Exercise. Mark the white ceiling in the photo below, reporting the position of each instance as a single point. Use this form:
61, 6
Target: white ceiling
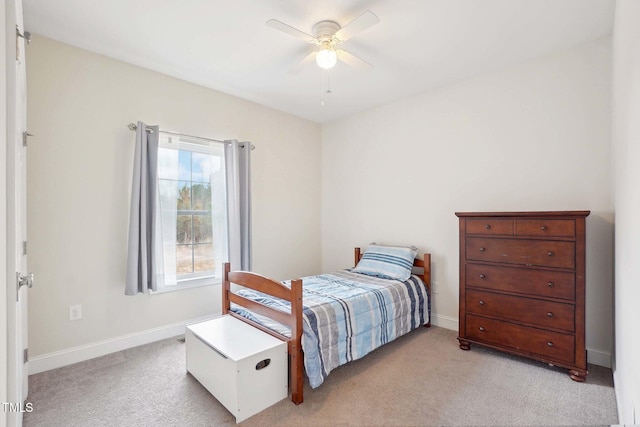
225, 45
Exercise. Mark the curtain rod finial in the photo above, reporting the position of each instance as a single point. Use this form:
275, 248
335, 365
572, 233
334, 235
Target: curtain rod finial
132, 126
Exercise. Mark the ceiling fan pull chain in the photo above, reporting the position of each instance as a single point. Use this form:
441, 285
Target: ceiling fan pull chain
327, 91
324, 77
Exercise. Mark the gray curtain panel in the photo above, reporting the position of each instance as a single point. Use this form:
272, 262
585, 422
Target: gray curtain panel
141, 265
238, 170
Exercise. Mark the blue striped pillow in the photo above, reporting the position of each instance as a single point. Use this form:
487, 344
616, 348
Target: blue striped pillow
389, 262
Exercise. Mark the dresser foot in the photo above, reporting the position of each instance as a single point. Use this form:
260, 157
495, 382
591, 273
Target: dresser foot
577, 375
464, 345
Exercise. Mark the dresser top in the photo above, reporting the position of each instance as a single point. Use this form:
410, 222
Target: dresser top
535, 214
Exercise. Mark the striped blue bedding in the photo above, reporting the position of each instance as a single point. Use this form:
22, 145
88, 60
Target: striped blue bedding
347, 315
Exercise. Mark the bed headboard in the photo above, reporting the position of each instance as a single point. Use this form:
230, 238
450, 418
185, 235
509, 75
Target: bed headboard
424, 264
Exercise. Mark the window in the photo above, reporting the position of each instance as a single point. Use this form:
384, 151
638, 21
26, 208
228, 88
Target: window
192, 219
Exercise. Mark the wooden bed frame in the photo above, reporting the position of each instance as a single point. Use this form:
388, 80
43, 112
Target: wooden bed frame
294, 319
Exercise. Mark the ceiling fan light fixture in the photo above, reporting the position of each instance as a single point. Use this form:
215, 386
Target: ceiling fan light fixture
327, 37
326, 58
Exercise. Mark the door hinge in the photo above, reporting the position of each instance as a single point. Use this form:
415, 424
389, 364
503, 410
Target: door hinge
25, 135
27, 38
24, 247
26, 355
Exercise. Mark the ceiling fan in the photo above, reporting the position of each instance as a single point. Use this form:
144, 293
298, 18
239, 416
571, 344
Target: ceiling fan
327, 36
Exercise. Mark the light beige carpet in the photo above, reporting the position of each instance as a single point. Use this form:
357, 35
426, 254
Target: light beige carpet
420, 379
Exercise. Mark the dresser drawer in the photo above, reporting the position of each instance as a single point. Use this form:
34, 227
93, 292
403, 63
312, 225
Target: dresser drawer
553, 284
552, 345
534, 312
490, 226
546, 227
520, 251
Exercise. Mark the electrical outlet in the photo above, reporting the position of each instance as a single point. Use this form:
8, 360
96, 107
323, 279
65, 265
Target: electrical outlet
75, 312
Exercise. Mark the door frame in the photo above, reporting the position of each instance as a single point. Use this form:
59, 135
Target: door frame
3, 214
16, 370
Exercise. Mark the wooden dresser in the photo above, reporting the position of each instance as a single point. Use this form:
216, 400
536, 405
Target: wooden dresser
522, 285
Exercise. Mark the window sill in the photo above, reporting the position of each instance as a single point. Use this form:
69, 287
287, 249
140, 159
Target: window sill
190, 284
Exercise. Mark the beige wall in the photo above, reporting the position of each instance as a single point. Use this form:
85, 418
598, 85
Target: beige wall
531, 137
626, 182
79, 185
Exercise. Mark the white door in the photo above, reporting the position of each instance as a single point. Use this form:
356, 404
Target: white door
16, 221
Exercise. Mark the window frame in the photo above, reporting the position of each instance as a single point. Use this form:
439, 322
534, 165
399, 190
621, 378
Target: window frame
215, 149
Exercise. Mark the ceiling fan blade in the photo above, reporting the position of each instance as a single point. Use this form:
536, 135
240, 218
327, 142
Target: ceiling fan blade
303, 63
288, 29
361, 23
353, 61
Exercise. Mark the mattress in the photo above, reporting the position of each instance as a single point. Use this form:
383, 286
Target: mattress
346, 315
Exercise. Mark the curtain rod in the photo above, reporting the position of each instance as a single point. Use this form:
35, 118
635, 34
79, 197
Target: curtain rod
133, 127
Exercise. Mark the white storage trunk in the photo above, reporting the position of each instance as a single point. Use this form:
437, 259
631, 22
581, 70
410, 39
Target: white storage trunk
242, 366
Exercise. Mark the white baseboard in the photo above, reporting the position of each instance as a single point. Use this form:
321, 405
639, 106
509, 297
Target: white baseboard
624, 387
58, 359
599, 357
618, 386
446, 322
596, 357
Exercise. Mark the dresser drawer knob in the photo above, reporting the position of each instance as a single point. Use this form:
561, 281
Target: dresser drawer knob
550, 284
481, 329
550, 344
543, 228
481, 302
550, 253
549, 314
482, 249
482, 276
487, 227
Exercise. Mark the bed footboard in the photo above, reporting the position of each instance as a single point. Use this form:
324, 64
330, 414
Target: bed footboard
293, 319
